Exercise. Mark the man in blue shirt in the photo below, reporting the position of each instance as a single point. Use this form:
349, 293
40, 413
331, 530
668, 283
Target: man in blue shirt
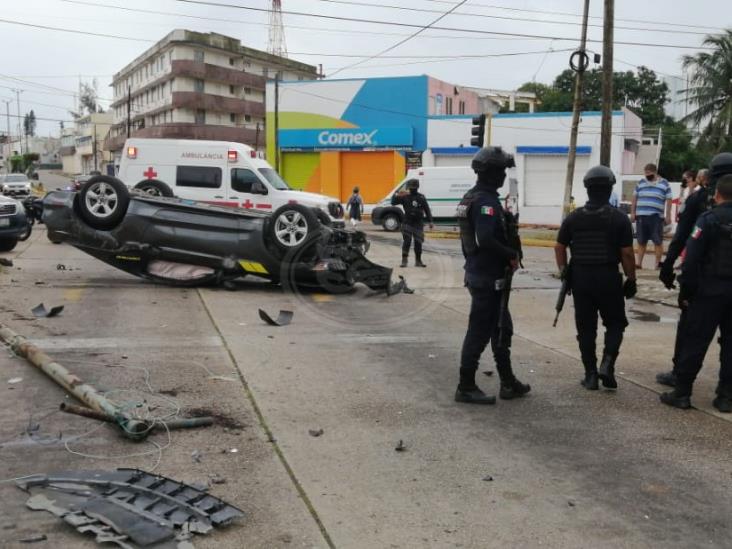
650, 210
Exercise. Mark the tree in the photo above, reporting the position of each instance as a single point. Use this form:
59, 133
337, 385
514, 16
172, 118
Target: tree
88, 100
678, 153
710, 91
29, 123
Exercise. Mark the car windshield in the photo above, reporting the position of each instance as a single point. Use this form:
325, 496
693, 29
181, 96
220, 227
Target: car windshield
15, 179
274, 179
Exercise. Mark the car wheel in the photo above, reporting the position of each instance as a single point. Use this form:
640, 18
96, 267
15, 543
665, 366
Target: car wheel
391, 222
103, 202
291, 227
153, 187
7, 244
25, 235
322, 217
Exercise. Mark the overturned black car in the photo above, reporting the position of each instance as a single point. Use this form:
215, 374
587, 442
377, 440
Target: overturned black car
189, 243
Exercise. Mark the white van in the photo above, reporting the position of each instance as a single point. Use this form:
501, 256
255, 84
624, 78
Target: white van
444, 188
217, 172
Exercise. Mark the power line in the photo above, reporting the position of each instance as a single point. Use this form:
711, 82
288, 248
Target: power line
413, 26
59, 29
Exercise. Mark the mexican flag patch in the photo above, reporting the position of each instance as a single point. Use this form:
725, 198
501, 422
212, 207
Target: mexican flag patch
486, 210
697, 233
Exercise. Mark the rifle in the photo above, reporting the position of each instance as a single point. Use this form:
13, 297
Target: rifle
566, 289
503, 308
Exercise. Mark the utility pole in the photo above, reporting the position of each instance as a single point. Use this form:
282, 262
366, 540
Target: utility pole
256, 138
581, 66
20, 134
129, 110
94, 144
277, 122
606, 129
7, 139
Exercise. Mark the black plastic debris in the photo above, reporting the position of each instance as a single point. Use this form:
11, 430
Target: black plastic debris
400, 447
35, 538
129, 507
40, 311
5, 262
315, 432
283, 319
60, 267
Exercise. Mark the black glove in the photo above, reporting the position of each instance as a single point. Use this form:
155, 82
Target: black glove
686, 294
667, 275
630, 288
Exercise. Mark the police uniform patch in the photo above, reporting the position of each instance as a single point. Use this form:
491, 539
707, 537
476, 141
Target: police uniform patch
486, 210
697, 233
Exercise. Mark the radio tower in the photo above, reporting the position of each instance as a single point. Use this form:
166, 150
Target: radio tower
277, 45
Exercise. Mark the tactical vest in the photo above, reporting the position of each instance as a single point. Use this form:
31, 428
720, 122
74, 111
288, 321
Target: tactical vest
719, 259
465, 221
592, 237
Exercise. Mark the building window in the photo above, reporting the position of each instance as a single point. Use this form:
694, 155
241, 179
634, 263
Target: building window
265, 72
198, 85
461, 107
301, 77
200, 116
198, 56
231, 61
241, 180
231, 89
232, 118
198, 176
448, 105
247, 91
247, 118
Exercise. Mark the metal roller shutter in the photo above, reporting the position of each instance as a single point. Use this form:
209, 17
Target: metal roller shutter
544, 177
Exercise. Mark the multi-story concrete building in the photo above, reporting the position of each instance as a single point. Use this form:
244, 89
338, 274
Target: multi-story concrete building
82, 146
193, 85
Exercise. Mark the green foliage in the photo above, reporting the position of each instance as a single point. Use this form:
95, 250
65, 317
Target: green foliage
29, 123
678, 153
17, 164
710, 91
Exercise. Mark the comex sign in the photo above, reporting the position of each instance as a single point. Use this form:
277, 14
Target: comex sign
346, 138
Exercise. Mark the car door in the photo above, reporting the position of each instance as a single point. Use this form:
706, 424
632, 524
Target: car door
242, 181
201, 183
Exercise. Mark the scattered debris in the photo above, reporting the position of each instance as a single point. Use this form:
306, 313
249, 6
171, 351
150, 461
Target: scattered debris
216, 479
35, 538
284, 318
403, 284
315, 432
129, 507
5, 262
432, 357
488, 373
400, 447
125, 357
169, 392
39, 311
571, 503
488, 478
196, 456
14, 380
60, 267
170, 425
233, 450
39, 282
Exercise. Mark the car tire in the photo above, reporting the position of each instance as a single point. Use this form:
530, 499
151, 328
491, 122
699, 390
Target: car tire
8, 244
292, 227
154, 187
391, 222
103, 202
25, 235
323, 217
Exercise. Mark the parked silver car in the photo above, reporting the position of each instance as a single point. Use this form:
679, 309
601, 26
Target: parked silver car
15, 184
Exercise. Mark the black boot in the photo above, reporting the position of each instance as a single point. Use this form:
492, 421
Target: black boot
607, 371
680, 397
666, 378
513, 389
472, 395
591, 380
723, 402
404, 261
418, 262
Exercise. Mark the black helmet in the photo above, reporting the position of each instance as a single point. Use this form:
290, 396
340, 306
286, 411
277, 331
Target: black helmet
492, 157
720, 165
599, 175
413, 184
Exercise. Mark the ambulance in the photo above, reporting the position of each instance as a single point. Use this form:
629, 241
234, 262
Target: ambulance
217, 172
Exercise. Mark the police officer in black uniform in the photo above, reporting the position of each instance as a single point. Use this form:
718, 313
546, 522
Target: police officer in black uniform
696, 204
416, 210
599, 237
706, 292
490, 245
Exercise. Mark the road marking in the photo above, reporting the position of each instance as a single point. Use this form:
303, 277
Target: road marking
323, 298
73, 295
74, 343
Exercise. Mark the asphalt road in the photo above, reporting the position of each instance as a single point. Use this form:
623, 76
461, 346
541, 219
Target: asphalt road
560, 468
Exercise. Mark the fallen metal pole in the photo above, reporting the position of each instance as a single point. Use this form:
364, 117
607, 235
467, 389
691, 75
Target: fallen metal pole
131, 428
173, 424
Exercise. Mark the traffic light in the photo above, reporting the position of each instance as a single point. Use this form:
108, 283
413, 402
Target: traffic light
478, 131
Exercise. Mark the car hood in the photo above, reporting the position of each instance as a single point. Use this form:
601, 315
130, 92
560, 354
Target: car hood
308, 199
8, 200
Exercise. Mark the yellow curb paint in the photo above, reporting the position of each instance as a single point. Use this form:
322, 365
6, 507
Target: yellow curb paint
322, 298
73, 295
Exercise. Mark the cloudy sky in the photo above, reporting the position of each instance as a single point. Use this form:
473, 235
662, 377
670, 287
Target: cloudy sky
47, 64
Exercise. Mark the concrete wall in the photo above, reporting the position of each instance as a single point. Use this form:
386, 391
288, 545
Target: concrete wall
440, 91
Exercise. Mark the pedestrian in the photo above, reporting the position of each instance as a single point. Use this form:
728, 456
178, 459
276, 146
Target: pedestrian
650, 210
688, 185
492, 251
694, 205
706, 293
614, 200
416, 211
599, 237
355, 207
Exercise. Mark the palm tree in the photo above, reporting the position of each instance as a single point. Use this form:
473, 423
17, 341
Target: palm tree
710, 91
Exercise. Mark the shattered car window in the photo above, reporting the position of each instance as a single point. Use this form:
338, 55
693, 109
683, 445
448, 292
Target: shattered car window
274, 179
198, 176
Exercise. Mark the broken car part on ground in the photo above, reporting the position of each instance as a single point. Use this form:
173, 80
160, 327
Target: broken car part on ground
184, 242
129, 507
